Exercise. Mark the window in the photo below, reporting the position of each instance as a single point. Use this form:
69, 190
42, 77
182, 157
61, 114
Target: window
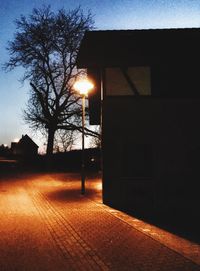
120, 81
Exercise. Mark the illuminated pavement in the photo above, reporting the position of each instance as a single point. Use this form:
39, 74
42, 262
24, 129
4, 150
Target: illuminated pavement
47, 225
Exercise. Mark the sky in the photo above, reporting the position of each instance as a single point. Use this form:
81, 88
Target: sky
108, 14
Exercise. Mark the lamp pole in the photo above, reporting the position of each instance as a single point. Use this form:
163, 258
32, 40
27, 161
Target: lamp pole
83, 86
83, 147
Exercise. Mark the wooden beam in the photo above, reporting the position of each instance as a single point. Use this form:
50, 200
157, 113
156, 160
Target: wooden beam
128, 79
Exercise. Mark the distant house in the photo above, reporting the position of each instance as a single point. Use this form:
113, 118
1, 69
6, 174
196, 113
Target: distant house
26, 147
147, 94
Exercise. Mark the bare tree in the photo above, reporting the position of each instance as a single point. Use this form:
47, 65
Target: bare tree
46, 45
95, 141
65, 140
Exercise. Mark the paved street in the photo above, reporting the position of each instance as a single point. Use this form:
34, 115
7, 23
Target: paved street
47, 225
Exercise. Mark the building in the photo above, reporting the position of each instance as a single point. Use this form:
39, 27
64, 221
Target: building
147, 82
26, 147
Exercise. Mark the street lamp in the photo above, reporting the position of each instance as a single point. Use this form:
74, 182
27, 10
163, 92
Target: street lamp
83, 87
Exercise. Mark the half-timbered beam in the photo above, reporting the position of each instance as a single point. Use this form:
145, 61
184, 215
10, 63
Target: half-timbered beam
130, 82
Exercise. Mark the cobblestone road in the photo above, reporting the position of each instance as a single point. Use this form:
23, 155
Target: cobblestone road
47, 225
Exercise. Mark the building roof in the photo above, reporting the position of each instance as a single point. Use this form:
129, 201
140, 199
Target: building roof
25, 139
138, 47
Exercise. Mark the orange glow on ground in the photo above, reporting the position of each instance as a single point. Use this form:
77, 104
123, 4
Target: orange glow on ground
25, 198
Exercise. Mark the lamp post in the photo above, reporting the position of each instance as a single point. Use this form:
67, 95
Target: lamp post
83, 87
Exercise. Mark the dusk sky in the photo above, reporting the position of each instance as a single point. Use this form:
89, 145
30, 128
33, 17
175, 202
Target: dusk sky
108, 14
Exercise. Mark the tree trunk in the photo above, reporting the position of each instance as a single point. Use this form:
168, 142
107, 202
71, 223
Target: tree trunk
51, 133
49, 151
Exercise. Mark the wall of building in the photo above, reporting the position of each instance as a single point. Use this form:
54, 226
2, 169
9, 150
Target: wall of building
150, 153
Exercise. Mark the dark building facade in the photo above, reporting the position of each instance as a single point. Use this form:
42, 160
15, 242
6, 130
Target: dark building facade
147, 94
26, 147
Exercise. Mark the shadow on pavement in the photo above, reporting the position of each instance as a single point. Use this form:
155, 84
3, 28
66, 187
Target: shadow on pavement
179, 224
70, 194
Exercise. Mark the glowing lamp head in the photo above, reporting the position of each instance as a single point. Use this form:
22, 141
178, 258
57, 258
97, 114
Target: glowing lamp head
83, 86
